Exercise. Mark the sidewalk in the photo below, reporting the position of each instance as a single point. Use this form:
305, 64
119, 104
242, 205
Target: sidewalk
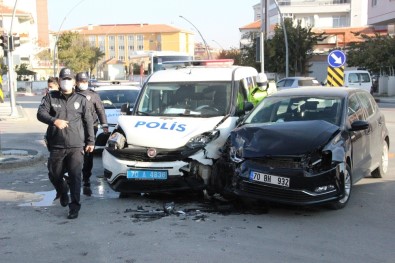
17, 149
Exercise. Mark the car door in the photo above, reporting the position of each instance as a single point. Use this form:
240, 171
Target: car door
374, 118
360, 142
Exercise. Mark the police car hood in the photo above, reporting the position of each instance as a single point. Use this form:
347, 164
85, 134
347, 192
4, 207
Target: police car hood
164, 132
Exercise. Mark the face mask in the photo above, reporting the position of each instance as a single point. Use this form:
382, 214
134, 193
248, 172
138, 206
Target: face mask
66, 85
83, 86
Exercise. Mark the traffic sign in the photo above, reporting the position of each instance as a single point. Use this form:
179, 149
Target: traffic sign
336, 58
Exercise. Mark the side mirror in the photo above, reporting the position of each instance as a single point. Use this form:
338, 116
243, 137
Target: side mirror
359, 125
248, 106
125, 109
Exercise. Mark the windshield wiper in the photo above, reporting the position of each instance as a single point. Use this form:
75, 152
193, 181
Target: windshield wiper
143, 113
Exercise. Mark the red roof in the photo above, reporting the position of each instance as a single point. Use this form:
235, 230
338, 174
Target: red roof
253, 25
126, 29
6, 10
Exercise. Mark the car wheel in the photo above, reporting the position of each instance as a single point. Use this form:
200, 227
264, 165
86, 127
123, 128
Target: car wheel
383, 167
347, 186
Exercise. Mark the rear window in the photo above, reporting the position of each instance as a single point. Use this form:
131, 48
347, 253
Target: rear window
359, 77
115, 98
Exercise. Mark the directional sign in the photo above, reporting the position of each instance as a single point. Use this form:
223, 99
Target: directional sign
336, 58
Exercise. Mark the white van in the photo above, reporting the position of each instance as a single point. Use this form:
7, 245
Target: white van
180, 120
358, 79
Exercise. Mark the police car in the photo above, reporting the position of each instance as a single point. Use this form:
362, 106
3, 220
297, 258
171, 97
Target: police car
180, 120
113, 95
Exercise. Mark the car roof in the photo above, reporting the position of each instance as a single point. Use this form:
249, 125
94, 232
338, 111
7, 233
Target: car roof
117, 87
317, 91
298, 78
203, 73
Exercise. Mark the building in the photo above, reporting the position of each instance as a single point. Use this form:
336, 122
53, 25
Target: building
382, 13
336, 19
121, 42
31, 25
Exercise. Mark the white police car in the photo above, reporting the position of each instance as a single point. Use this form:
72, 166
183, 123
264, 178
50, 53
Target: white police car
113, 96
180, 120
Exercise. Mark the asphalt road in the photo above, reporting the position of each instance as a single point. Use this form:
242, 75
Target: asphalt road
136, 229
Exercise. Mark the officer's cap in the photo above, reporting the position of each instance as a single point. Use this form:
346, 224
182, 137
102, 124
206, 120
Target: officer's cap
82, 76
66, 73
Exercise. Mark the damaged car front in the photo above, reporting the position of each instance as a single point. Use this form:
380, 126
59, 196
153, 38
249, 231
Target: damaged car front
281, 153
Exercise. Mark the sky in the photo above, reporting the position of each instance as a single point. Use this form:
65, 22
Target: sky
217, 20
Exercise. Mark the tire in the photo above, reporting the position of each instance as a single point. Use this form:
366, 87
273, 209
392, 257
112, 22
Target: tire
383, 167
347, 187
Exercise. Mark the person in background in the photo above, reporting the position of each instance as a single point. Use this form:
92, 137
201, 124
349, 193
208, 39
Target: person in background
70, 135
98, 115
259, 92
53, 84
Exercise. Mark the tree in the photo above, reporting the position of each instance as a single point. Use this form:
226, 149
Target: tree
96, 58
374, 53
301, 42
22, 71
233, 53
75, 52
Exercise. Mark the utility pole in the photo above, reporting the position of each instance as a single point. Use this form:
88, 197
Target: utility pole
262, 38
14, 110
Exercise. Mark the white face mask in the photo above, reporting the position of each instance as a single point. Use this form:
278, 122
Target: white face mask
66, 85
83, 86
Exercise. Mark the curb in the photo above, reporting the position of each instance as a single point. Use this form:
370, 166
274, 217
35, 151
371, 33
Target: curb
18, 158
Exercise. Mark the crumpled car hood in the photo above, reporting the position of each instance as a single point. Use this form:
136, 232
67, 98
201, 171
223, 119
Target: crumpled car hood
281, 139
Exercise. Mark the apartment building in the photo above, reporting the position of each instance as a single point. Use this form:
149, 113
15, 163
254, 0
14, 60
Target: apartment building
336, 19
382, 13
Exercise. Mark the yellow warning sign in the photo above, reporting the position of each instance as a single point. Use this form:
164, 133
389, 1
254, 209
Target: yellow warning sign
335, 76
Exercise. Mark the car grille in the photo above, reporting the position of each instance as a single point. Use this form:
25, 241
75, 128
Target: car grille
286, 163
280, 194
163, 155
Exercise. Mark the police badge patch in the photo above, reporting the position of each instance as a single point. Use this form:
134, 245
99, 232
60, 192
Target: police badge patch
88, 97
76, 105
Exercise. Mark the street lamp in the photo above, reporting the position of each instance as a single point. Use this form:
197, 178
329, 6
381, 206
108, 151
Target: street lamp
57, 36
218, 44
204, 41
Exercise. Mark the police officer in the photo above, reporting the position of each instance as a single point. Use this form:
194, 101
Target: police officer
98, 114
259, 92
70, 134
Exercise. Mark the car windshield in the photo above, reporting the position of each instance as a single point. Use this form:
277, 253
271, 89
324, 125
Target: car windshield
199, 99
114, 98
286, 109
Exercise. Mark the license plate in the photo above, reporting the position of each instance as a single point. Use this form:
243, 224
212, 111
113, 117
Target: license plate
147, 174
269, 179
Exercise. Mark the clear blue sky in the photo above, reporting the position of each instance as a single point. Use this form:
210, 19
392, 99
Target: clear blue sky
217, 20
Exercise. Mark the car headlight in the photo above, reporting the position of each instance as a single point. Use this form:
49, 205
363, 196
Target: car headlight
116, 141
320, 162
203, 139
236, 154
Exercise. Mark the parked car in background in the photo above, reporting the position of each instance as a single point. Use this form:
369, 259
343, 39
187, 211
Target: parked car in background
358, 79
113, 96
295, 82
306, 146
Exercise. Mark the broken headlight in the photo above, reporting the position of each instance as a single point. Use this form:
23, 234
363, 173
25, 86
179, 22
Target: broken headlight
203, 139
236, 154
116, 141
320, 162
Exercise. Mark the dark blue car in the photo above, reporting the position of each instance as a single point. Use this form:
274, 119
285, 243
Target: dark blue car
305, 146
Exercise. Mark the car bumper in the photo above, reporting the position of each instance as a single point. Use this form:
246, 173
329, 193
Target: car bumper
304, 189
115, 171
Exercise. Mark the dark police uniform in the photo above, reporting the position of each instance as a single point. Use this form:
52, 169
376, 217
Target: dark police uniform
67, 145
98, 114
